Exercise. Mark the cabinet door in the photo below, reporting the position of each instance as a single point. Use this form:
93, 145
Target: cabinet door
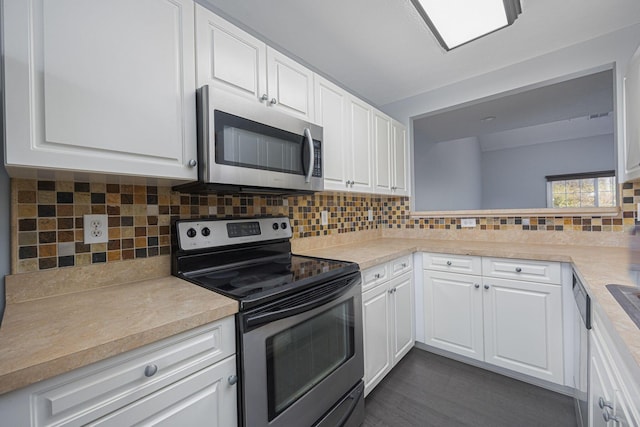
204, 398
632, 118
382, 144
331, 114
228, 58
402, 309
290, 85
523, 327
359, 125
101, 86
453, 313
400, 161
375, 311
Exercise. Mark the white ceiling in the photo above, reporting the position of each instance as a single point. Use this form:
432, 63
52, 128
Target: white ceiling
579, 97
383, 51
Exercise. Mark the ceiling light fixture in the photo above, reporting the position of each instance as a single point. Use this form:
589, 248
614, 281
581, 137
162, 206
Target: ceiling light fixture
457, 22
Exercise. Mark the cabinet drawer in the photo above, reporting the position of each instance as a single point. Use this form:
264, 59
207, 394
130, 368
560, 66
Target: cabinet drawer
93, 391
374, 275
453, 263
401, 265
535, 271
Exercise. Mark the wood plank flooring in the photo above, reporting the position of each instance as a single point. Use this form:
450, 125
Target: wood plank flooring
425, 390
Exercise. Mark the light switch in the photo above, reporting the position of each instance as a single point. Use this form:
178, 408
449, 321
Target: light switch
324, 218
468, 222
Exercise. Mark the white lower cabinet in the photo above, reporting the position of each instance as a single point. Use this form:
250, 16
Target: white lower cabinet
187, 379
389, 331
613, 394
507, 322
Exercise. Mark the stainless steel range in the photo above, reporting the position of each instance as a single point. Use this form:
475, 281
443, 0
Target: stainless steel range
299, 329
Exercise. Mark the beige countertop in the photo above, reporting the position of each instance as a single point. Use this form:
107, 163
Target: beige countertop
596, 267
47, 336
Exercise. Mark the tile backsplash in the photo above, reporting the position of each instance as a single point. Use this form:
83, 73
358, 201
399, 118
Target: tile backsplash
47, 218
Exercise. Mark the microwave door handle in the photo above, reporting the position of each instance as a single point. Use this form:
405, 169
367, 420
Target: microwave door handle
307, 134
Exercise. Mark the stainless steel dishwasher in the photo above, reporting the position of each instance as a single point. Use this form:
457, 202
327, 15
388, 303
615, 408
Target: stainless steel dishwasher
581, 326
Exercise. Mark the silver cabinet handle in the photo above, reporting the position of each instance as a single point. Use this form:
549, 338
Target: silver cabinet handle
193, 163
404, 265
448, 262
150, 370
608, 416
264, 97
477, 286
486, 286
377, 275
273, 101
390, 291
604, 403
518, 270
312, 157
233, 379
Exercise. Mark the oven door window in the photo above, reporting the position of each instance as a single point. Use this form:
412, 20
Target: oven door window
300, 357
245, 143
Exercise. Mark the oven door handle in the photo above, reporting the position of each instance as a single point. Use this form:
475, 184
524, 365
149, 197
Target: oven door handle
259, 319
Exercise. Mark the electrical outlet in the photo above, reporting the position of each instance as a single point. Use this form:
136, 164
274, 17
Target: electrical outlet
95, 229
324, 218
370, 215
468, 222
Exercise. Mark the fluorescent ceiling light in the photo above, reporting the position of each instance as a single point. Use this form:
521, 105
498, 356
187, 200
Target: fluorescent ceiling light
456, 22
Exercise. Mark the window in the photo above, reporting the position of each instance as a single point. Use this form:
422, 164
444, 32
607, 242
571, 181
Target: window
582, 190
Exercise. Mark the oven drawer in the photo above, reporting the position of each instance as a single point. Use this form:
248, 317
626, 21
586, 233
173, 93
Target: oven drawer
401, 265
534, 271
466, 264
374, 275
96, 390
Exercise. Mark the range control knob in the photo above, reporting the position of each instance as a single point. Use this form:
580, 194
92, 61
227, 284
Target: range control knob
275, 226
205, 231
283, 225
191, 232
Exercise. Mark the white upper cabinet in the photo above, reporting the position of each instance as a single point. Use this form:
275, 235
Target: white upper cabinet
391, 173
347, 143
290, 85
100, 86
632, 118
229, 58
382, 144
399, 185
331, 114
359, 123
234, 60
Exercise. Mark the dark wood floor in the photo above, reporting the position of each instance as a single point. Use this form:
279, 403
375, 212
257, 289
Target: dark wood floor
425, 390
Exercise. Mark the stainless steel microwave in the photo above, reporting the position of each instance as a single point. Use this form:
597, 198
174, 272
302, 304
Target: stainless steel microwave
246, 146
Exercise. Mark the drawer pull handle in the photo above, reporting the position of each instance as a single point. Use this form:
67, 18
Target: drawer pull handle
518, 270
404, 265
233, 379
150, 370
448, 262
608, 416
377, 275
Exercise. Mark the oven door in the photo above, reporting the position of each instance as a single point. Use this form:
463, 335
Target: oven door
302, 357
251, 144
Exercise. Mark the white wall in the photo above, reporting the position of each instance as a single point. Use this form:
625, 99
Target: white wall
448, 175
532, 163
573, 61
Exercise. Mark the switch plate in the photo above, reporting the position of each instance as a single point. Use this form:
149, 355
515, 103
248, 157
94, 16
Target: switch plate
95, 229
468, 222
324, 218
370, 215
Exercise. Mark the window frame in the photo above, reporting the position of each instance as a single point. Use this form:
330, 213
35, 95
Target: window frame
581, 177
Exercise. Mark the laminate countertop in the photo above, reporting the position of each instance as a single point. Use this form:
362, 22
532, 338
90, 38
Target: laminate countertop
46, 336
596, 266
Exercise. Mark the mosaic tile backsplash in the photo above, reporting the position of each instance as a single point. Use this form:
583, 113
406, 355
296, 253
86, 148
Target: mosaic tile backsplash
48, 218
